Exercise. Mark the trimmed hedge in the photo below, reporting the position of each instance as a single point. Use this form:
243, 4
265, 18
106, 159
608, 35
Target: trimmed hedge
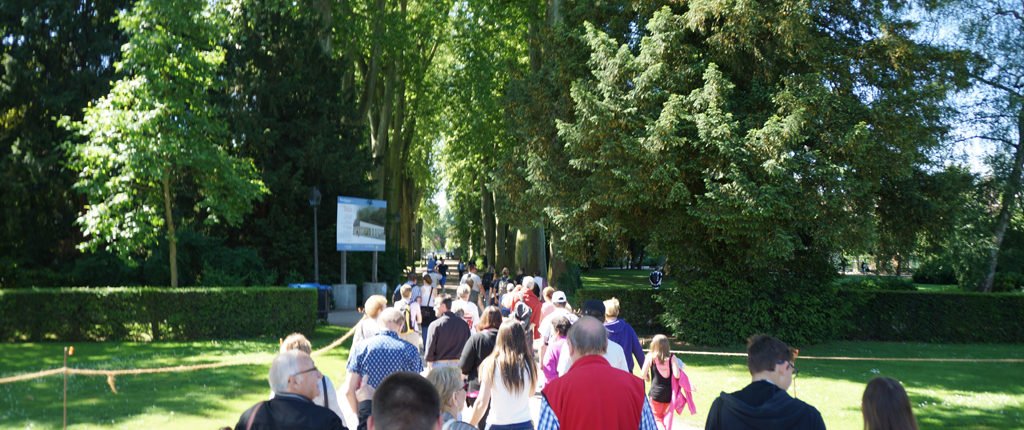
876, 315
869, 282
151, 313
933, 316
637, 306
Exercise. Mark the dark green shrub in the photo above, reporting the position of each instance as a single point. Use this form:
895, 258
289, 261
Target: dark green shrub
144, 313
719, 308
936, 272
932, 317
888, 283
1008, 282
637, 306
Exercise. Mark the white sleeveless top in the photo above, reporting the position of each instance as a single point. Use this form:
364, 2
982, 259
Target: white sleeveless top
507, 407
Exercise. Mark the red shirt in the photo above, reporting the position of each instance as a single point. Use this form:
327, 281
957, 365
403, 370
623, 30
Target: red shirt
534, 303
595, 395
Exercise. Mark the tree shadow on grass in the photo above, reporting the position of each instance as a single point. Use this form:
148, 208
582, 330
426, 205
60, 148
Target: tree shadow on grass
90, 400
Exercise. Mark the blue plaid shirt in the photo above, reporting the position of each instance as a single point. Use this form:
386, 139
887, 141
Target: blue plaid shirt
383, 354
548, 420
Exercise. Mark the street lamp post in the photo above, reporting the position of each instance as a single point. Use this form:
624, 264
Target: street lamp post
314, 201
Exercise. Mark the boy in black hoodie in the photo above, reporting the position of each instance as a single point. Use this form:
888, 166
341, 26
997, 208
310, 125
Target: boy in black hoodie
764, 404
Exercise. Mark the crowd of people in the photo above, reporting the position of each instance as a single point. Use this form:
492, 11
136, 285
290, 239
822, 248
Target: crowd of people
476, 359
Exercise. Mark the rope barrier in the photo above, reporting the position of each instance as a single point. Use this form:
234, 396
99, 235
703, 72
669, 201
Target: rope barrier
111, 374
908, 359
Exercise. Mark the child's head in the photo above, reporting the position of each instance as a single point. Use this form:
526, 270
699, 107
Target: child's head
660, 347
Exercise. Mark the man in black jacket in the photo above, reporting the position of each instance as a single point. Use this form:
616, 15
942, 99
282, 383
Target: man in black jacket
446, 336
764, 404
295, 381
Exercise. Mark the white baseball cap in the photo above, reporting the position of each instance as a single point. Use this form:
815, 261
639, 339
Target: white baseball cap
558, 297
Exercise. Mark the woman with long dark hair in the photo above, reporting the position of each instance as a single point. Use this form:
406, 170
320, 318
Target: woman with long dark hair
885, 406
508, 377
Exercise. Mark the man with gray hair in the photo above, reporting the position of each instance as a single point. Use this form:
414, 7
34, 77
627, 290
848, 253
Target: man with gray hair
381, 355
295, 382
593, 394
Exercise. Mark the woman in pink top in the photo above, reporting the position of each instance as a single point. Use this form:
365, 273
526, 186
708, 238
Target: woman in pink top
550, 363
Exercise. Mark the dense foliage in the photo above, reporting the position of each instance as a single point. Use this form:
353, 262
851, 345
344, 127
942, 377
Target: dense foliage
148, 313
891, 283
858, 314
932, 317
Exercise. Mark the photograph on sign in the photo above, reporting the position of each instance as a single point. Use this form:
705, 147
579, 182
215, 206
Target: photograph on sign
361, 224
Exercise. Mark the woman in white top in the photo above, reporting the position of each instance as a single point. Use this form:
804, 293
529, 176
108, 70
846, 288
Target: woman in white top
367, 326
508, 377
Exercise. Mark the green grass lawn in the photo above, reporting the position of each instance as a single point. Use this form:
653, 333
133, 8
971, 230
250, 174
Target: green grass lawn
944, 395
936, 288
613, 278
203, 399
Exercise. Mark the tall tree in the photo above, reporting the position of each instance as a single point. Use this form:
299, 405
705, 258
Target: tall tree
158, 137
762, 131
994, 31
291, 115
55, 56
392, 64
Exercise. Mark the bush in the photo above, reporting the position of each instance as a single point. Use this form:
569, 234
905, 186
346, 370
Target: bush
935, 272
721, 308
888, 283
933, 317
638, 306
148, 313
1006, 282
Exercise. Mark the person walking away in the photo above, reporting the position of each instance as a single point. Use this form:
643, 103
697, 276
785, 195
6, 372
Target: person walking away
367, 325
477, 349
764, 403
466, 309
549, 362
443, 270
885, 406
487, 287
613, 352
410, 281
428, 295
461, 268
560, 309
404, 401
295, 381
663, 370
381, 355
475, 278
620, 332
327, 396
412, 318
508, 377
452, 391
593, 394
446, 336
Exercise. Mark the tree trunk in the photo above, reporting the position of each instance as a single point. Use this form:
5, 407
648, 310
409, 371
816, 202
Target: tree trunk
487, 211
172, 240
1007, 201
558, 266
531, 250
500, 245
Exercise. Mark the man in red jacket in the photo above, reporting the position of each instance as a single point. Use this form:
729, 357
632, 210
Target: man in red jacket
593, 394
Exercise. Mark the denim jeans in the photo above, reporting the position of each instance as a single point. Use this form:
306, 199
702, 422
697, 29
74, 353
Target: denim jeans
526, 425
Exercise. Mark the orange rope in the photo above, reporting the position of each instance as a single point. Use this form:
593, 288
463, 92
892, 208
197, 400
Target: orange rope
931, 360
110, 374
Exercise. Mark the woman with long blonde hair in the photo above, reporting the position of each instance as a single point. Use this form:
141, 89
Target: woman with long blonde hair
509, 376
660, 367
